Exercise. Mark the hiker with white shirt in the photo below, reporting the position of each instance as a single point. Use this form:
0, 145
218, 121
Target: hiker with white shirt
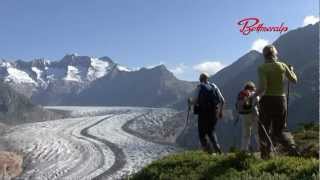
247, 109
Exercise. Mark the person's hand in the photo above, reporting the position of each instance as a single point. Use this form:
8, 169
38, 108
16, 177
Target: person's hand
290, 67
189, 103
254, 99
254, 95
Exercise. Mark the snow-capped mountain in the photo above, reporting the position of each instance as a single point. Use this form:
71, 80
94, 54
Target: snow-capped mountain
54, 79
85, 80
42, 72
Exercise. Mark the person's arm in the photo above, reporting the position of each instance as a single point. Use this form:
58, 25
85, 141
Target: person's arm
222, 102
290, 74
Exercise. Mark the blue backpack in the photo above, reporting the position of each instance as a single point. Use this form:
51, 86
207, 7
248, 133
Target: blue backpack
208, 98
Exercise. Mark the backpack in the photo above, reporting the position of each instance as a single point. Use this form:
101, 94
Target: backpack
244, 104
208, 98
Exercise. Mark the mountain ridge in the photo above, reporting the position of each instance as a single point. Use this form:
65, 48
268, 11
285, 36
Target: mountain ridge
62, 82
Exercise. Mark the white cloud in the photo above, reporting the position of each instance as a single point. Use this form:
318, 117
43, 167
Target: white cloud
210, 67
259, 44
179, 69
310, 20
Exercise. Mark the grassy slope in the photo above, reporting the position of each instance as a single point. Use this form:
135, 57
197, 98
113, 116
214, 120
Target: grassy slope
307, 139
199, 165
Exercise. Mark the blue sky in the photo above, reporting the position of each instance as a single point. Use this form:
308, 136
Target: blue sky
185, 35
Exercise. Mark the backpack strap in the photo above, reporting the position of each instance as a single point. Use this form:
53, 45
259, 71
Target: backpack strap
215, 90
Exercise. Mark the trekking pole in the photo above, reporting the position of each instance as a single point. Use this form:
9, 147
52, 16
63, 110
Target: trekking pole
268, 137
187, 120
237, 120
288, 95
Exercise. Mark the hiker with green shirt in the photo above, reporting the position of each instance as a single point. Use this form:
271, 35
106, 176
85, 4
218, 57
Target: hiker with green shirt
273, 109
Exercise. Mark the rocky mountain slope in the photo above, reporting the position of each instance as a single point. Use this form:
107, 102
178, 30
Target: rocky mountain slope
155, 87
16, 108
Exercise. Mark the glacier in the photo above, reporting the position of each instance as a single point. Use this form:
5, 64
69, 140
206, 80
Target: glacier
90, 144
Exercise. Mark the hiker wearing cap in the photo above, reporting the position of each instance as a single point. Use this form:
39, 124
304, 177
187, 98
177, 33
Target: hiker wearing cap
247, 108
273, 109
207, 102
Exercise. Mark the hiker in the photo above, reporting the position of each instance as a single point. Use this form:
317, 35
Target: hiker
247, 108
205, 100
273, 109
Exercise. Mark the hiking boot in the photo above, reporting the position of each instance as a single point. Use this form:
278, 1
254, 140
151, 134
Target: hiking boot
216, 148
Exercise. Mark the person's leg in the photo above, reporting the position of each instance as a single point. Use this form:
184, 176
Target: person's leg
246, 131
214, 140
202, 135
264, 127
254, 130
280, 133
212, 134
202, 130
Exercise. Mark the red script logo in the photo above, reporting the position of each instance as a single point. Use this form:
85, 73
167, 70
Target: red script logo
249, 25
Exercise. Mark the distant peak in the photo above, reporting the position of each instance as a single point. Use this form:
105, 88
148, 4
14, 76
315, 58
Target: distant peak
161, 67
41, 62
106, 58
73, 59
72, 54
253, 52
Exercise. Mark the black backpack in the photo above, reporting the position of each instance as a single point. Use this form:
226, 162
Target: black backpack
208, 98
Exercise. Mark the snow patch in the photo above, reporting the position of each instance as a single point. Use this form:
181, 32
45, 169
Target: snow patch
5, 64
122, 68
39, 76
97, 69
72, 74
18, 76
37, 71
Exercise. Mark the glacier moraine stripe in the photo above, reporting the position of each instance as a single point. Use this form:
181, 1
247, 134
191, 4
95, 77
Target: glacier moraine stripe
120, 160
